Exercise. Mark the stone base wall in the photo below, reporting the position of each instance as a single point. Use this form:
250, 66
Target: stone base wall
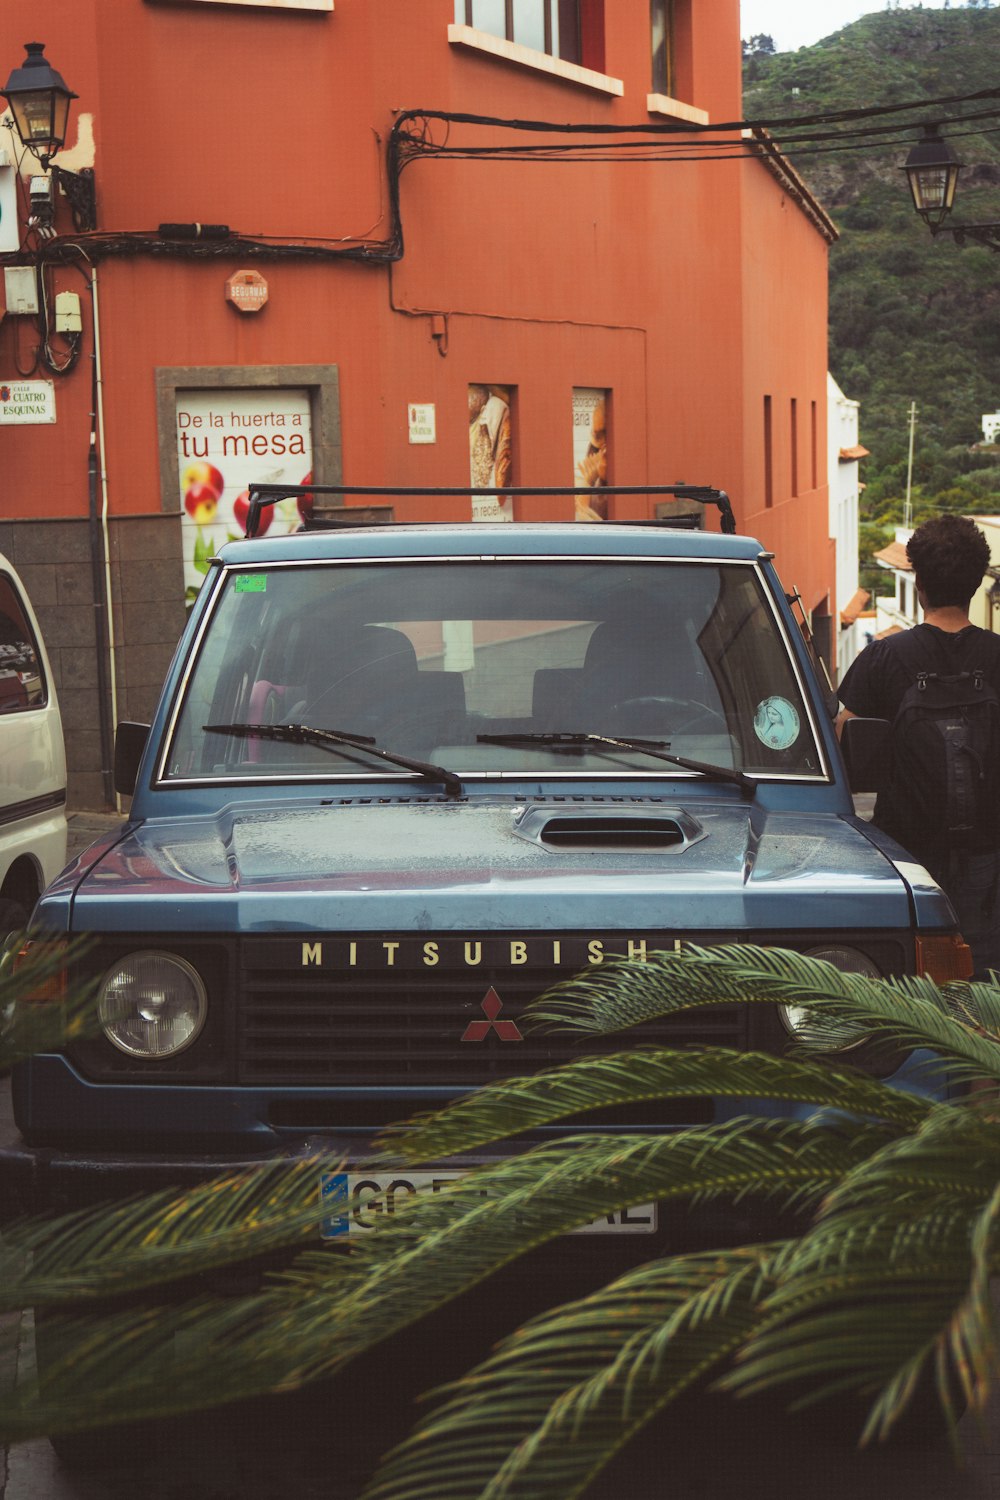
53, 558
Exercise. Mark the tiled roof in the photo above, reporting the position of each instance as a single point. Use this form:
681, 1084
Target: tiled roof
847, 455
894, 556
854, 607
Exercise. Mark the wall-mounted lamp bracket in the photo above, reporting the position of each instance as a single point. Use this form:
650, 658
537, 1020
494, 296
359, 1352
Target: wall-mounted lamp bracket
979, 234
81, 193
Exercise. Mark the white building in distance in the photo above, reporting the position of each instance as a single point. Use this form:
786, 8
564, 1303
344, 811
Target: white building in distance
843, 464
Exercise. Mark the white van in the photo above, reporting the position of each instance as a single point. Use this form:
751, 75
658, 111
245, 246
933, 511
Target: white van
32, 760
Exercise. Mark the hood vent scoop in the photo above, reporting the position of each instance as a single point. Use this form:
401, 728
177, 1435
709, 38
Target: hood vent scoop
625, 830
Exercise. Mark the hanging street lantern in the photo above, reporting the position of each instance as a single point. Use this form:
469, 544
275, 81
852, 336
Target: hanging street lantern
933, 168
39, 101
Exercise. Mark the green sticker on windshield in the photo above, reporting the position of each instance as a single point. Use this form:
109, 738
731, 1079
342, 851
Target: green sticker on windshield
251, 583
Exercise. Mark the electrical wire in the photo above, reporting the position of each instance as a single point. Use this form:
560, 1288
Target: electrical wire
675, 142
74, 340
24, 374
686, 127
883, 134
414, 145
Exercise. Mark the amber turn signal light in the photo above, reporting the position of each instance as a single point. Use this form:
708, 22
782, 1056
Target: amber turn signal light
52, 989
944, 958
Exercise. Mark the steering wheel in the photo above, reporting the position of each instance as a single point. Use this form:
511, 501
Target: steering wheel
703, 715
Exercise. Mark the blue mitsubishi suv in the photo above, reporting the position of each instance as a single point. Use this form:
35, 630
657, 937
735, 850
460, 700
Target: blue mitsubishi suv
401, 780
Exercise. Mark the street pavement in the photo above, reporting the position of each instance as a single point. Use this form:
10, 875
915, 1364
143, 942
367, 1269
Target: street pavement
84, 828
325, 1443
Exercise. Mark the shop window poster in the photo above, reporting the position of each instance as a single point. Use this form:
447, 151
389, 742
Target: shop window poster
491, 451
590, 451
227, 439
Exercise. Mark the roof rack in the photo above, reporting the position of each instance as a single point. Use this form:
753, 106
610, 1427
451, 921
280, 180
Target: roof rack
261, 495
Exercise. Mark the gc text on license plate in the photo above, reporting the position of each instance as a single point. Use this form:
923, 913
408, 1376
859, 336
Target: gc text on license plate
355, 1203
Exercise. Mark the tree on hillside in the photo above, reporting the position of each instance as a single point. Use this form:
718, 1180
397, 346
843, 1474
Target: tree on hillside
760, 45
755, 53
911, 317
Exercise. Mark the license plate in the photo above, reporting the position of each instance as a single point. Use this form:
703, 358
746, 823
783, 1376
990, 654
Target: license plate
355, 1204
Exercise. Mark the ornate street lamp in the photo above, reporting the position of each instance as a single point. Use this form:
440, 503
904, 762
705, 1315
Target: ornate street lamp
932, 168
39, 101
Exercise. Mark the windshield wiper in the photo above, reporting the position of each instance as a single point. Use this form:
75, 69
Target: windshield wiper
658, 749
331, 739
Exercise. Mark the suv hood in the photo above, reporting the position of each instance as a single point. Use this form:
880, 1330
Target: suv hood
421, 865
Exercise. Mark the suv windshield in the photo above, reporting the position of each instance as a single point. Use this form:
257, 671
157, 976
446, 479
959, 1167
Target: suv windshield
440, 661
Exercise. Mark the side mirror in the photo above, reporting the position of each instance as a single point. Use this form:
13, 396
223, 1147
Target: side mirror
130, 744
866, 747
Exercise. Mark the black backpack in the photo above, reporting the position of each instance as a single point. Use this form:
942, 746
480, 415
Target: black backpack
946, 747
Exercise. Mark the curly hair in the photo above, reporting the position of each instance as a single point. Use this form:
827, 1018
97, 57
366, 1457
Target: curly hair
949, 555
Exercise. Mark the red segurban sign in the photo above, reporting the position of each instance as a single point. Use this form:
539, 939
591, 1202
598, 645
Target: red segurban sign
246, 290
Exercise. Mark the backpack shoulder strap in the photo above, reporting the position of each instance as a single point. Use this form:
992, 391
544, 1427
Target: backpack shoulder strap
923, 650
920, 650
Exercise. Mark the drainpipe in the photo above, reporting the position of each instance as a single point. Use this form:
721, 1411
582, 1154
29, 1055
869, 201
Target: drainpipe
100, 563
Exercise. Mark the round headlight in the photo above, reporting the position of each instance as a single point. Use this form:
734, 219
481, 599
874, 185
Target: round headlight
152, 1004
824, 1033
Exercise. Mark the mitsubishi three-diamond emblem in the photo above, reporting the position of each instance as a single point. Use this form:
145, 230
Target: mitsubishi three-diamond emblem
478, 1031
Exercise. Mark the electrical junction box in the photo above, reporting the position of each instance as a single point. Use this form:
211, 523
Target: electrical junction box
68, 318
20, 289
10, 231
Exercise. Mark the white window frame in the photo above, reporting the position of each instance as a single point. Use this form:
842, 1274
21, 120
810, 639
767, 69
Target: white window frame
527, 57
324, 6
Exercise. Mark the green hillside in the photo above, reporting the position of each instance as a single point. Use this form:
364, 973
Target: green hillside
911, 318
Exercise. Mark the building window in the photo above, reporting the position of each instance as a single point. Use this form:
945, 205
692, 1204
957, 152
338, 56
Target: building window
551, 26
768, 454
662, 27
794, 443
22, 681
672, 62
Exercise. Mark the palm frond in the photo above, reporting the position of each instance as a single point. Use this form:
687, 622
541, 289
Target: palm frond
877, 1340
914, 1012
970, 1338
563, 1394
150, 1241
883, 1292
835, 1252
916, 1205
35, 1013
310, 1323
436, 1247
951, 1157
508, 1107
886, 1279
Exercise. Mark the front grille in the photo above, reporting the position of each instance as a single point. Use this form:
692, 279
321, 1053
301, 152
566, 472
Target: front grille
405, 1028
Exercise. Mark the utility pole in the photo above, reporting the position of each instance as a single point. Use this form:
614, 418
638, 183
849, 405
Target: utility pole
907, 507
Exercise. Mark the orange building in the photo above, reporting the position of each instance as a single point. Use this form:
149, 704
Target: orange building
266, 296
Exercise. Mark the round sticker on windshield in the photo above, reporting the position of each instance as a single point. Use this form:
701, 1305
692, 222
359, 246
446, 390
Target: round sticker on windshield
776, 723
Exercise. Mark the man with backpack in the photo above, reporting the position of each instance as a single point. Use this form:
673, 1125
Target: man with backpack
939, 686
